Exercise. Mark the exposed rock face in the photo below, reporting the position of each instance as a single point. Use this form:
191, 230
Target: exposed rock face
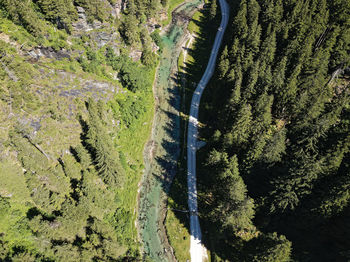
163, 15
98, 90
154, 47
100, 33
82, 25
70, 86
101, 38
135, 55
152, 25
10, 73
48, 52
118, 8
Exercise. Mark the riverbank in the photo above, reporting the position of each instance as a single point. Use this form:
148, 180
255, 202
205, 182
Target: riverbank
162, 151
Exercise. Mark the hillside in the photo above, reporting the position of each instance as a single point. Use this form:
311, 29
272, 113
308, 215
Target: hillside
76, 107
274, 176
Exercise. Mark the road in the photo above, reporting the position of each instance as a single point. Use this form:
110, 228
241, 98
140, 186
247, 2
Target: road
197, 250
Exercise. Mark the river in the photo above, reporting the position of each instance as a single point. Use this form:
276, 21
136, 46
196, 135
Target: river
162, 151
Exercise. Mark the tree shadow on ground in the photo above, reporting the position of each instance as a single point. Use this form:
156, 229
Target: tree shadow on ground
174, 165
186, 80
221, 248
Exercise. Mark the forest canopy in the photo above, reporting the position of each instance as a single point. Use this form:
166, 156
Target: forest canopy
278, 133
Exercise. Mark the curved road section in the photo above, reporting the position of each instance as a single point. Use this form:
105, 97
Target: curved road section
197, 250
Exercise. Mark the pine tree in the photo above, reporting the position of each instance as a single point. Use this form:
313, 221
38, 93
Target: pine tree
240, 23
253, 38
268, 248
212, 11
268, 46
290, 188
275, 147
241, 130
105, 156
286, 122
236, 92
336, 197
234, 209
60, 12
223, 63
252, 80
131, 30
21, 12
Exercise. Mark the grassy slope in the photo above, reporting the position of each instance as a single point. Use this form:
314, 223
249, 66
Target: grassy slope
132, 141
193, 27
171, 6
180, 61
46, 80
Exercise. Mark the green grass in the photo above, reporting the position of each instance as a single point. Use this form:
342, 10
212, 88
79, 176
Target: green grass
189, 59
180, 61
180, 237
131, 141
192, 26
171, 6
16, 33
177, 222
24, 40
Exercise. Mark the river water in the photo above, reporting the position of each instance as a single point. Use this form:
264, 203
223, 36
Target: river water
162, 151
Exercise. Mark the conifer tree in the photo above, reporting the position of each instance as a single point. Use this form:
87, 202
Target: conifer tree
234, 209
241, 130
285, 116
212, 11
269, 248
60, 12
105, 156
130, 29
240, 23
223, 63
275, 146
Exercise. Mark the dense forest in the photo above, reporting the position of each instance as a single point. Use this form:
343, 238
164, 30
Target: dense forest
274, 176
76, 106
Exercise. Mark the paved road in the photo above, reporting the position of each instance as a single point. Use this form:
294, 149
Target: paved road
197, 250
